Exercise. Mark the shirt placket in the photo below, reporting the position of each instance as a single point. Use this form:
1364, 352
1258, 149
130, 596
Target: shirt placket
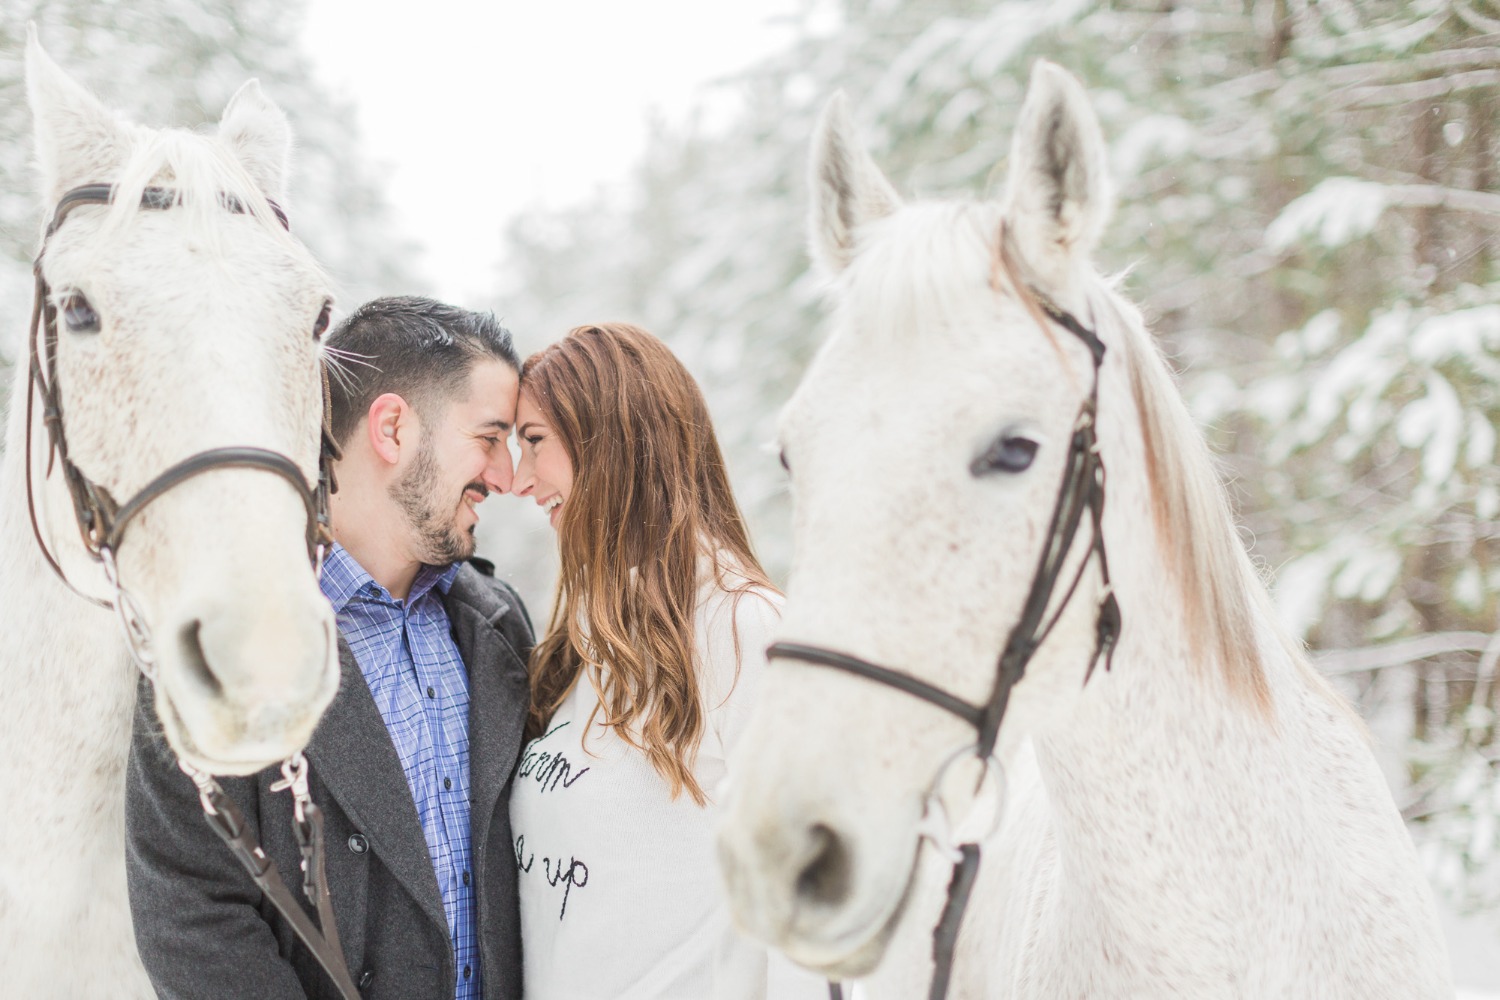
442, 706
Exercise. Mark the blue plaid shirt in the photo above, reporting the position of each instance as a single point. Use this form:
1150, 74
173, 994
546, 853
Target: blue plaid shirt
408, 659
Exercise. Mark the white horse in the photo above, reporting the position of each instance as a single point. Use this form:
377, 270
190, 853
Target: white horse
180, 330
1206, 819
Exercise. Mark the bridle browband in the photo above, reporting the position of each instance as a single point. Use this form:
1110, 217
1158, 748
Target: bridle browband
101, 525
1082, 490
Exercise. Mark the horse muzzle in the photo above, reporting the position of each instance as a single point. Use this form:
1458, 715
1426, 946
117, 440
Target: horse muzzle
236, 693
800, 887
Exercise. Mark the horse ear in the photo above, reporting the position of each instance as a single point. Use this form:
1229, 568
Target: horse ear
78, 140
258, 133
848, 190
1058, 195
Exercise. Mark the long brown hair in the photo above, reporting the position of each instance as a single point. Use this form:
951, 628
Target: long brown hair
650, 496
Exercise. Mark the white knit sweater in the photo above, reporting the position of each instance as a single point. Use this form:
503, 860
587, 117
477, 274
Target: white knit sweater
621, 897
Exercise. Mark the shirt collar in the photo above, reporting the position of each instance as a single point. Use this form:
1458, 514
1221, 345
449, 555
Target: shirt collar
344, 578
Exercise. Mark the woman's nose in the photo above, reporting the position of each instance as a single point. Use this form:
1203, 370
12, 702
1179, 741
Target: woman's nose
498, 476
524, 480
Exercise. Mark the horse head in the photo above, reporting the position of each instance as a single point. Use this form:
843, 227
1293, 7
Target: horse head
926, 447
187, 324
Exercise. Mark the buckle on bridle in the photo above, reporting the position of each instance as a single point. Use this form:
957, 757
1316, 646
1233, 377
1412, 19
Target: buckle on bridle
294, 777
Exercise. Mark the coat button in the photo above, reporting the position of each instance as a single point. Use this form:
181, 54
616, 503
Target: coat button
358, 844
366, 979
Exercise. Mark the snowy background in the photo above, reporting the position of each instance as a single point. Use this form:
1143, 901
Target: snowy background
1308, 215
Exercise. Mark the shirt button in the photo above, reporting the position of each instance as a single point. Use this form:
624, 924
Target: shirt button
366, 979
447, 783
466, 972
358, 844
466, 878
431, 693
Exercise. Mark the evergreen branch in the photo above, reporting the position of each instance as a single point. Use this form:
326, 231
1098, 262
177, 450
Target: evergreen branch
1402, 652
1468, 15
1437, 196
1383, 95
1424, 62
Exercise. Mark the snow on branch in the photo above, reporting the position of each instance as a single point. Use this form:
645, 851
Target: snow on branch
1402, 652
1341, 209
1338, 210
1381, 95
1476, 20
1445, 60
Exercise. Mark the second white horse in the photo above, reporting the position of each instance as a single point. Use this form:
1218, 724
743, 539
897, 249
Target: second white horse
1204, 820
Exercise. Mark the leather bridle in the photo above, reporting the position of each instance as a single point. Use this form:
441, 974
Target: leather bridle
100, 518
1082, 491
102, 523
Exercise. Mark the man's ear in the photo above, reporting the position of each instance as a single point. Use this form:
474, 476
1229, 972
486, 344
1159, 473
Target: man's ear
392, 423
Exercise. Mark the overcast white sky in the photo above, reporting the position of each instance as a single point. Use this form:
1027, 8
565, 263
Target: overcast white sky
482, 108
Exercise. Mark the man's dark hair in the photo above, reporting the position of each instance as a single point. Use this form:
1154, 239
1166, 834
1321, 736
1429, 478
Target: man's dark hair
420, 349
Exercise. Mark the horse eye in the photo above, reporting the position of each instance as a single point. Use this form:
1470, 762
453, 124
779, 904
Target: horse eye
784, 464
78, 315
1007, 454
321, 326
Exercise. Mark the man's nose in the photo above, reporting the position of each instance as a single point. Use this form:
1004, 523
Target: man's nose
497, 475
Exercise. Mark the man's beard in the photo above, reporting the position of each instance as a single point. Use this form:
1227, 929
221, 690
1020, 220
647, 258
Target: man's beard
419, 495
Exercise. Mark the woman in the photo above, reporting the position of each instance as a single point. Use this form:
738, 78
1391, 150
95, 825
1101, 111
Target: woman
641, 684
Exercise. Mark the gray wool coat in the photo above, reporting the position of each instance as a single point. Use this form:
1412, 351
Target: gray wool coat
204, 930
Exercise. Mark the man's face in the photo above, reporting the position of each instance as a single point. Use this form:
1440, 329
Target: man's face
462, 456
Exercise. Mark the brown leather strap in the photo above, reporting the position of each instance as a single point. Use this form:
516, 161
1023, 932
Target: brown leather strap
225, 818
208, 461
945, 938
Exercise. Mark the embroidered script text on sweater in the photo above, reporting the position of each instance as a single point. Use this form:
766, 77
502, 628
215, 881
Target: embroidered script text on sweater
620, 892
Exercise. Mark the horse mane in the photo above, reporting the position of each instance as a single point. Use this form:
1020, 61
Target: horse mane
1226, 599
204, 172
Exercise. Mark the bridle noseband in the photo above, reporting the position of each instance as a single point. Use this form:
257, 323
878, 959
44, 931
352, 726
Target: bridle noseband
1082, 490
101, 525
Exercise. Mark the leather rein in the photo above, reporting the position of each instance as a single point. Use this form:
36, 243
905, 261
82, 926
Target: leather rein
1082, 490
102, 522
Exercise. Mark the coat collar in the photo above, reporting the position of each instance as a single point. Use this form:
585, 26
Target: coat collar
352, 753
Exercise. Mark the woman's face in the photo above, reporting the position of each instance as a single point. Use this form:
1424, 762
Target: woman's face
544, 472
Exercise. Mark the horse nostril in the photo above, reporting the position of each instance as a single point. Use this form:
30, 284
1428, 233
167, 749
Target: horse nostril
825, 878
195, 662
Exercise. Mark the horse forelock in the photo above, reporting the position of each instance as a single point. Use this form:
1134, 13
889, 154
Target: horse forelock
203, 173
918, 268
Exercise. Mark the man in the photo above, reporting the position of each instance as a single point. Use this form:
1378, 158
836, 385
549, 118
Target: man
412, 762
